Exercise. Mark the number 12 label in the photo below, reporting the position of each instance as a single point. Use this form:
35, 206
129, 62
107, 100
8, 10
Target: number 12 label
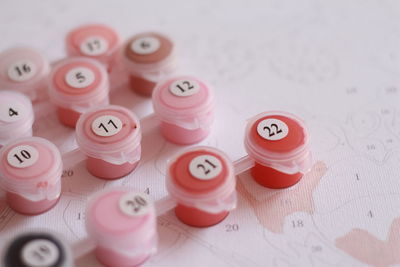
272, 129
184, 87
205, 167
106, 125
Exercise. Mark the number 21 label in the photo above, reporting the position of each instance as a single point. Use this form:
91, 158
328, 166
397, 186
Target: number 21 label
22, 156
272, 129
205, 167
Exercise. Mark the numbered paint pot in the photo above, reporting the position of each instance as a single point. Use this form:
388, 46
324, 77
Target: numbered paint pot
110, 137
30, 173
149, 58
185, 106
201, 180
24, 70
76, 85
278, 142
123, 224
40, 248
16, 116
96, 41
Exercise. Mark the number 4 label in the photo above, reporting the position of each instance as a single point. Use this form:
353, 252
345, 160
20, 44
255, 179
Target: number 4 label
272, 129
10, 112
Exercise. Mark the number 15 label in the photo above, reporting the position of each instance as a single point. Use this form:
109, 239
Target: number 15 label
272, 129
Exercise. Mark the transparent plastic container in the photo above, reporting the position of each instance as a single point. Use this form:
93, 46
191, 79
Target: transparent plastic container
30, 174
96, 41
202, 182
122, 222
37, 248
16, 116
278, 143
24, 70
149, 58
110, 137
185, 107
76, 85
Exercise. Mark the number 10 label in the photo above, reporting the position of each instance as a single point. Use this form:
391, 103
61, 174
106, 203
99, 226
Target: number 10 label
22, 156
272, 129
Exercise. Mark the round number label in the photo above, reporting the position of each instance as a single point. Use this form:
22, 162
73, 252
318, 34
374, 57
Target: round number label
184, 87
272, 129
106, 125
94, 46
22, 156
10, 112
205, 167
40, 253
145, 45
80, 77
22, 70
135, 204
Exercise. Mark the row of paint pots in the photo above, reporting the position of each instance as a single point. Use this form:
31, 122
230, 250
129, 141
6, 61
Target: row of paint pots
109, 140
184, 105
146, 58
121, 223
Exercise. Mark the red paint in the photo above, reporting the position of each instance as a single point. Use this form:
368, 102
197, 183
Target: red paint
272, 178
198, 218
105, 170
181, 136
68, 117
141, 85
28, 207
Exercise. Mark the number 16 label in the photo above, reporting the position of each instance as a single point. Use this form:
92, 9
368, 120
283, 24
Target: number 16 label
272, 129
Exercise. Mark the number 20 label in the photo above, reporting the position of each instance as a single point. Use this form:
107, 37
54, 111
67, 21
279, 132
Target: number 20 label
22, 156
272, 129
184, 87
134, 204
205, 167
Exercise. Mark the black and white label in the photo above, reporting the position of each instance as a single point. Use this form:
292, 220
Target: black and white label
40, 253
184, 87
80, 77
106, 125
11, 111
272, 129
94, 46
205, 167
22, 70
135, 204
145, 45
22, 156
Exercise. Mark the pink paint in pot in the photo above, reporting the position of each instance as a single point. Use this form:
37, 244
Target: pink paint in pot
24, 70
95, 41
30, 173
201, 181
149, 58
76, 85
185, 106
16, 116
110, 138
278, 143
123, 224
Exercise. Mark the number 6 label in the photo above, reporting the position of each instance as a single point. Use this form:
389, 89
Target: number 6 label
22, 156
272, 129
184, 87
134, 204
205, 167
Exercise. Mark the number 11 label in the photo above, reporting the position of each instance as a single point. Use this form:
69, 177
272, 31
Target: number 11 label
272, 129
106, 125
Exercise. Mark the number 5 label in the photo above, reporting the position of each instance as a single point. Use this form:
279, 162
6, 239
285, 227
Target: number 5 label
272, 129
80, 77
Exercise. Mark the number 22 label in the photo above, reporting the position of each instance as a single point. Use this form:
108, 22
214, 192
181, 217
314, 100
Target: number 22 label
272, 129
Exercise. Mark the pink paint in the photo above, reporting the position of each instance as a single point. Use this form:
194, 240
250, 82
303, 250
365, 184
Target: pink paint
201, 180
24, 70
186, 115
123, 224
278, 142
76, 85
95, 41
149, 58
30, 173
114, 150
16, 116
